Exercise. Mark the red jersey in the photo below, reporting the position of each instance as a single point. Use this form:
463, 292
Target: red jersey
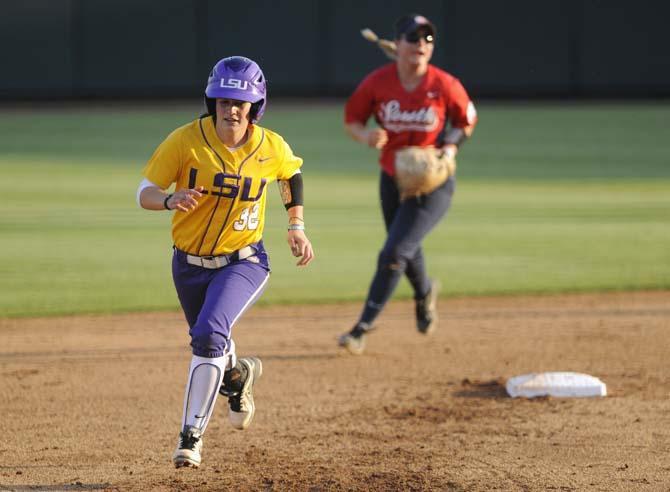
410, 118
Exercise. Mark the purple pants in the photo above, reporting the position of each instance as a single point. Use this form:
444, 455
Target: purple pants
213, 300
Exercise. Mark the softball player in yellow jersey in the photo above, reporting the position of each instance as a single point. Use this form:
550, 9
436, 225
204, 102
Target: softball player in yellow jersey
221, 165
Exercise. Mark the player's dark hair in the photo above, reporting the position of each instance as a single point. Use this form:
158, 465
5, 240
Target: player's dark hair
255, 108
210, 105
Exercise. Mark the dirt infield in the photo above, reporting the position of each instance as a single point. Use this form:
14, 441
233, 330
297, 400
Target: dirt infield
94, 403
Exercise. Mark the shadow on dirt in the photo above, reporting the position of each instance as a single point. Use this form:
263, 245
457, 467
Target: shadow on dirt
73, 486
494, 388
299, 357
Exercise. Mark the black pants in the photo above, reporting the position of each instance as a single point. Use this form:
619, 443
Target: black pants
407, 224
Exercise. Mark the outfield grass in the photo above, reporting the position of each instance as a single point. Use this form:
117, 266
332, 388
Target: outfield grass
549, 199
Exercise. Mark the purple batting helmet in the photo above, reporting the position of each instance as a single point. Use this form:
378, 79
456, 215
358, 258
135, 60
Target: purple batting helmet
237, 77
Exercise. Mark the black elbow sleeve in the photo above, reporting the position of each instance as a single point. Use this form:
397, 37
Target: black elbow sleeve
295, 185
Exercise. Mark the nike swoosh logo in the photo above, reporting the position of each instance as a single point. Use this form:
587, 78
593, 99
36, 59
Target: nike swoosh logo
263, 159
200, 416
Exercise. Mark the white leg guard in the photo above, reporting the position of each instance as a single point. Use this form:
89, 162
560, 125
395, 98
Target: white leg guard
202, 389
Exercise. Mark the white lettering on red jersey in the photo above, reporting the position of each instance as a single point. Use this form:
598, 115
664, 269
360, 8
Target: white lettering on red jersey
395, 119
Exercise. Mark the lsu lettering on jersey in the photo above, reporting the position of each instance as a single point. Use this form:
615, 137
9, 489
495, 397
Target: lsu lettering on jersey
231, 212
410, 118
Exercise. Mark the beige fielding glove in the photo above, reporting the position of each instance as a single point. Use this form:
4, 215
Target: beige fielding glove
421, 170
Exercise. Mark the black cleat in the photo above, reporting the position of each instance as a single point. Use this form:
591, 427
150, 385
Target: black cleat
189, 448
237, 386
354, 341
426, 309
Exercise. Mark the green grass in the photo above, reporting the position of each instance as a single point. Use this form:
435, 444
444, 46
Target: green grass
549, 199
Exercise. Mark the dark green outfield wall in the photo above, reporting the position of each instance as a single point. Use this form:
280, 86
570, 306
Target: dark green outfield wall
151, 48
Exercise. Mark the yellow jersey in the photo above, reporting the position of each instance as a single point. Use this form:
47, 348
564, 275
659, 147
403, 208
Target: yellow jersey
231, 212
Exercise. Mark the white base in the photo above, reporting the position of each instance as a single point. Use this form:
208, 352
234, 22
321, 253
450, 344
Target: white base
559, 384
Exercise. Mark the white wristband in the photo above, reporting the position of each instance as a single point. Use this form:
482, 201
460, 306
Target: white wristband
296, 227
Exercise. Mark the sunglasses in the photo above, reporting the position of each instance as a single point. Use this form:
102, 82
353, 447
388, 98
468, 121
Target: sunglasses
414, 37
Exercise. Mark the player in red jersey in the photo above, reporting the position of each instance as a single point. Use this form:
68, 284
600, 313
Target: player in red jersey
414, 104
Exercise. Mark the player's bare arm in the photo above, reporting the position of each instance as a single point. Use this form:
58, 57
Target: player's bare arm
292, 197
154, 198
372, 137
300, 245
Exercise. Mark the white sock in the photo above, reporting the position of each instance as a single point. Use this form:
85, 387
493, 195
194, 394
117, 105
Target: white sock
202, 389
232, 358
